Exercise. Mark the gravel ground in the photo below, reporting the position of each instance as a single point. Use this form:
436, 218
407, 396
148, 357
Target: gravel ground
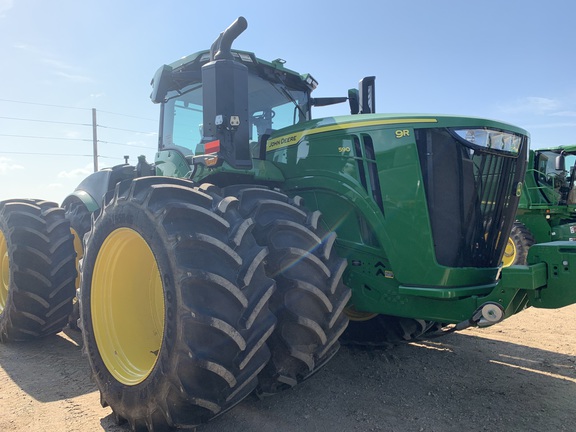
517, 376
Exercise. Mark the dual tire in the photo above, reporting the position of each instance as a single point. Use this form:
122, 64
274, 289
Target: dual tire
37, 271
174, 304
310, 296
193, 297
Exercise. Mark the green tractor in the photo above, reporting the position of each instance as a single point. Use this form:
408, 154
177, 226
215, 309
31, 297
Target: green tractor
235, 262
547, 207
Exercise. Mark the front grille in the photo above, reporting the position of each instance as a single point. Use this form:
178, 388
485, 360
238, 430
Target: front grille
471, 194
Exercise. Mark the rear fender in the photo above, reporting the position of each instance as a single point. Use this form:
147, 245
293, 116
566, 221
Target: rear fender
93, 188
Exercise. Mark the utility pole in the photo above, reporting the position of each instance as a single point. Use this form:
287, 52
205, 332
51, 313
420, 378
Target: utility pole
94, 139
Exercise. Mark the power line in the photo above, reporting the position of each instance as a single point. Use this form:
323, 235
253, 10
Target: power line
77, 108
94, 126
74, 124
44, 154
78, 139
57, 154
45, 121
119, 129
126, 115
43, 137
127, 145
42, 104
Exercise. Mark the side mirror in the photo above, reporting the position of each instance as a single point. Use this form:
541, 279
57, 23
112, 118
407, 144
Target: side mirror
560, 163
161, 84
367, 95
353, 101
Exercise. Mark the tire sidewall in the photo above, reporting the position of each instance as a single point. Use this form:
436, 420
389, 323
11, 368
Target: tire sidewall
130, 216
522, 239
38, 242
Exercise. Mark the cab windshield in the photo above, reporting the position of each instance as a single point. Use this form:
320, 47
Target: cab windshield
272, 106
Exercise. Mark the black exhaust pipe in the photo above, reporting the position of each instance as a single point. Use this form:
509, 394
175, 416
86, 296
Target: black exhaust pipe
220, 49
225, 100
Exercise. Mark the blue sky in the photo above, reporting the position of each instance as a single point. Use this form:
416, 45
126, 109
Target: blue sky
509, 60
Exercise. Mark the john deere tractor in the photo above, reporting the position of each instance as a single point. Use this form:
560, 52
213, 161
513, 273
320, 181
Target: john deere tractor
547, 208
234, 262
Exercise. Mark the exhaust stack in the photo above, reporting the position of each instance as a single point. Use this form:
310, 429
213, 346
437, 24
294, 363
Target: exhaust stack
225, 100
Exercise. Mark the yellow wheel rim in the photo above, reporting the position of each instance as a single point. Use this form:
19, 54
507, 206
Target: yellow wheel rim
4, 272
127, 306
79, 254
356, 315
509, 253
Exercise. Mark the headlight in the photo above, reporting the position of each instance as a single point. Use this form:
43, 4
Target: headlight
492, 139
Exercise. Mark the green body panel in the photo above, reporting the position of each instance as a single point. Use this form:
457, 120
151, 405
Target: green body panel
392, 266
315, 167
537, 224
560, 289
171, 163
262, 171
564, 232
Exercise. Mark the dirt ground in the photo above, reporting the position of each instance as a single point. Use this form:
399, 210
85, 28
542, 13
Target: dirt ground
517, 376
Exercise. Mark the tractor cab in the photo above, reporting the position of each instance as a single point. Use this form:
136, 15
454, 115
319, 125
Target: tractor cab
554, 174
547, 207
221, 106
230, 106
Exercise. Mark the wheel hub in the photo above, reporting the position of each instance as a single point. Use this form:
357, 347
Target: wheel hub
127, 306
509, 253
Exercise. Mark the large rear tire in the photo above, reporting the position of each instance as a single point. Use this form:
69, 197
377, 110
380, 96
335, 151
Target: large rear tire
174, 304
37, 269
310, 296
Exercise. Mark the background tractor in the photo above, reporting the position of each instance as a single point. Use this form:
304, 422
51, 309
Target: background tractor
234, 262
547, 207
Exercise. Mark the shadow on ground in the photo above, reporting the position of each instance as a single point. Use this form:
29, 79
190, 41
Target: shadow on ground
48, 369
459, 382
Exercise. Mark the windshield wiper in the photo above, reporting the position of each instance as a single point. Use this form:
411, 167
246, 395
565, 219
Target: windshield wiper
282, 89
